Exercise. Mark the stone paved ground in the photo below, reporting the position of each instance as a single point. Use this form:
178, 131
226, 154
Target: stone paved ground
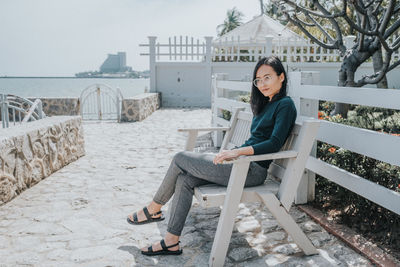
77, 215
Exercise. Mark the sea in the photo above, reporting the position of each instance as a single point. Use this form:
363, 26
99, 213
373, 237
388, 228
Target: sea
68, 87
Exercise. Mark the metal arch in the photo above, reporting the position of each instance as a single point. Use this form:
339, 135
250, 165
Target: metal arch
98, 100
13, 108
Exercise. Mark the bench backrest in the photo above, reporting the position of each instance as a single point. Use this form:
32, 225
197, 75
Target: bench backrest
287, 171
240, 129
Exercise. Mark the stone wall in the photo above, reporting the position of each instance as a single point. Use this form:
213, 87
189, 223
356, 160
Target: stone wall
140, 107
32, 151
61, 106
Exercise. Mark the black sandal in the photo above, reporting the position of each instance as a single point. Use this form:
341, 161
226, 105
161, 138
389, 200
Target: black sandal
149, 217
165, 250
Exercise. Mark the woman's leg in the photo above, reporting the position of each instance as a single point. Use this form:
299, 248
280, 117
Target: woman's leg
185, 182
180, 164
178, 210
184, 190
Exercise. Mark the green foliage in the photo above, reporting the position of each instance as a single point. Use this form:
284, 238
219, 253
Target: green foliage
350, 208
226, 114
244, 98
233, 19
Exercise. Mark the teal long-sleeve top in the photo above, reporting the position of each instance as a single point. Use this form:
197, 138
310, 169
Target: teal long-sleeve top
271, 127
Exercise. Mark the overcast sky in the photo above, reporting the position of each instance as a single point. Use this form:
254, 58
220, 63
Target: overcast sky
62, 37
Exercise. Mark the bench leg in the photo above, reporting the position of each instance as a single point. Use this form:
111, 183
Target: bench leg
228, 214
191, 140
287, 223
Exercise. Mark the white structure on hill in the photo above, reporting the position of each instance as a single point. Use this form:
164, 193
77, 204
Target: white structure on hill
254, 32
115, 63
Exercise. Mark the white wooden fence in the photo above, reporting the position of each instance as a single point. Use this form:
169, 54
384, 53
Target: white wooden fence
291, 50
380, 146
185, 48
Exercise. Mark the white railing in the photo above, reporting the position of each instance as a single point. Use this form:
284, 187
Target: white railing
179, 49
185, 48
380, 146
15, 109
292, 50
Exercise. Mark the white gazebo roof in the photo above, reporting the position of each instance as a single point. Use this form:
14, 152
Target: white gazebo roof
255, 31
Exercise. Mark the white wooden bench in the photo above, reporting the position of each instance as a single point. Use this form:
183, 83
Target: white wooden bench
277, 193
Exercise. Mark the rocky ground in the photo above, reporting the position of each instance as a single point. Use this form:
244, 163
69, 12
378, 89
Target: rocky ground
77, 216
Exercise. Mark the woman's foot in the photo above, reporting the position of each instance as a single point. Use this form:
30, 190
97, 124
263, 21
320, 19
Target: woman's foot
167, 246
151, 213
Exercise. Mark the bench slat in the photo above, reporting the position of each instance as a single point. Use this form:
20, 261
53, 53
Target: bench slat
214, 195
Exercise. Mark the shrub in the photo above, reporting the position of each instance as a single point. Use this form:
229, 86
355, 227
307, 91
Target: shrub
350, 208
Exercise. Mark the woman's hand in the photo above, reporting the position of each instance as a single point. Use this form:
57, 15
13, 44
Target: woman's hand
226, 155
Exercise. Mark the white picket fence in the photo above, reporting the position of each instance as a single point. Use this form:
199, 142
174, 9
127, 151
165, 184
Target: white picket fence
177, 49
292, 50
380, 146
185, 48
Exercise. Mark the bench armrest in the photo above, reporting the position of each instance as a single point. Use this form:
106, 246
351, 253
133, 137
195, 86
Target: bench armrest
204, 129
278, 155
192, 134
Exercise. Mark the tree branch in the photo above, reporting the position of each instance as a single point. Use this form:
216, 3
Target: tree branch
333, 21
394, 65
392, 29
378, 76
386, 17
311, 12
309, 35
358, 28
328, 36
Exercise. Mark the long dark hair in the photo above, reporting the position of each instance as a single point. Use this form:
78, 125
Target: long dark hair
257, 100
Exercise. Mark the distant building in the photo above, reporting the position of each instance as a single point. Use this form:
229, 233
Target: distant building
115, 63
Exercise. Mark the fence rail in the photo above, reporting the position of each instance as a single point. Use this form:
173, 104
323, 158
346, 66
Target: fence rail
380, 146
185, 48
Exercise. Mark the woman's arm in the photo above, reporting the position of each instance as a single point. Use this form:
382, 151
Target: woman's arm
232, 154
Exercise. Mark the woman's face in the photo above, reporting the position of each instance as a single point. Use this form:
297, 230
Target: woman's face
267, 81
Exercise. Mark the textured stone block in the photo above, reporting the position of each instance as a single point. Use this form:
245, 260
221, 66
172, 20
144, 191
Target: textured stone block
32, 151
140, 107
61, 106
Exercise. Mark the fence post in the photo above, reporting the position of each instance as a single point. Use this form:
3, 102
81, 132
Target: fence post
152, 52
3, 121
309, 108
217, 136
208, 67
268, 45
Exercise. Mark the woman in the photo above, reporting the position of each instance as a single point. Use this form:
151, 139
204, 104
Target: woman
274, 116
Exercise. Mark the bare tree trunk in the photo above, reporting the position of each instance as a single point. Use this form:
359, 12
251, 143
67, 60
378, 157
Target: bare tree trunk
377, 62
351, 61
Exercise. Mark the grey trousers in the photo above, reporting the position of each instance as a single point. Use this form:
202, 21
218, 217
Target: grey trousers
188, 170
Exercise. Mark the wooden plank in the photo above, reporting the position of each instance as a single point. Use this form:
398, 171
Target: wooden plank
221, 121
228, 104
287, 223
387, 198
278, 155
373, 144
235, 85
214, 195
246, 116
233, 122
228, 214
381, 98
191, 140
205, 129
295, 168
